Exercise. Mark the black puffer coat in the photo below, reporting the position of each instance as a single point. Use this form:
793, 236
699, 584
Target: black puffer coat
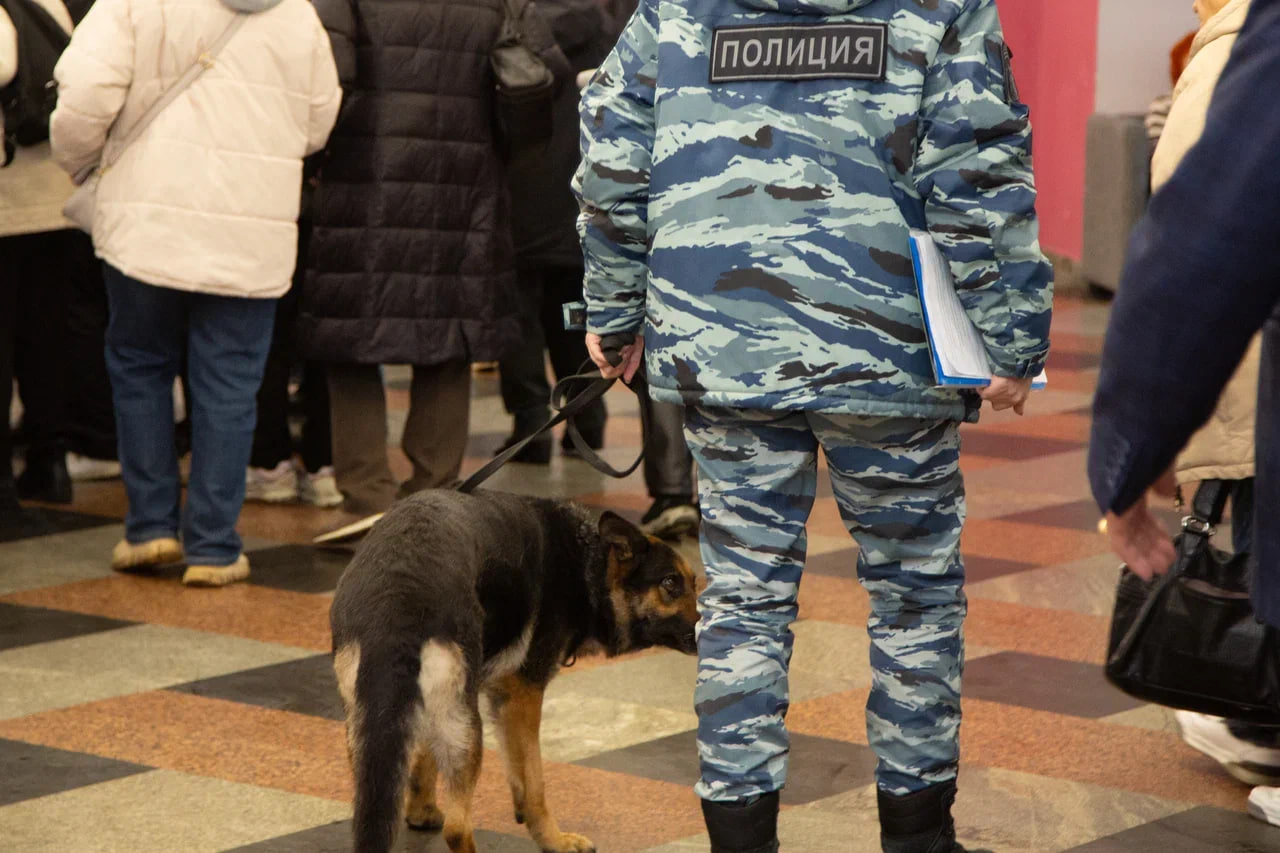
411, 258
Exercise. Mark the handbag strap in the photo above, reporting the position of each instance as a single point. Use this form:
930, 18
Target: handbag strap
1211, 501
203, 63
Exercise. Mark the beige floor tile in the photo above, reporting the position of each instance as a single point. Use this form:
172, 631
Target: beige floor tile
577, 726
1082, 586
1155, 717
67, 557
57, 559
160, 812
1008, 811
114, 663
661, 680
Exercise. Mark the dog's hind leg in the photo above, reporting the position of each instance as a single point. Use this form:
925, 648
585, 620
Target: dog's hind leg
459, 772
453, 731
421, 810
518, 709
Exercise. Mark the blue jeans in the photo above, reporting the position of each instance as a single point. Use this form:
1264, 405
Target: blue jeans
226, 340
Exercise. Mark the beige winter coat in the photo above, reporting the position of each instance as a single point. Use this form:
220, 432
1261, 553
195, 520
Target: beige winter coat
32, 188
1224, 448
207, 198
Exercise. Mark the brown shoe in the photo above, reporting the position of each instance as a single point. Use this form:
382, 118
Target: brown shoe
129, 557
217, 575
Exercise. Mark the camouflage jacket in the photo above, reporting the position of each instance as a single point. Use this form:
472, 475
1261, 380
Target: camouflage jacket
750, 172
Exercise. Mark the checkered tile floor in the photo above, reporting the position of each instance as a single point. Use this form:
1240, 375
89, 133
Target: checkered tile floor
137, 715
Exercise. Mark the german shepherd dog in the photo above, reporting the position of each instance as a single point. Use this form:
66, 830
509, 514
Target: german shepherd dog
454, 595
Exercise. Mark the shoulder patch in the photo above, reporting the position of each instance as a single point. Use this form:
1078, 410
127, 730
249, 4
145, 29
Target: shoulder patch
813, 52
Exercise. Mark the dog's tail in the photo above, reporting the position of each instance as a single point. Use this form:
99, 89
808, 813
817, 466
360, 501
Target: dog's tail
381, 732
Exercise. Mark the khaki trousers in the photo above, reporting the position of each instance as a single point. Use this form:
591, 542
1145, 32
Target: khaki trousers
435, 434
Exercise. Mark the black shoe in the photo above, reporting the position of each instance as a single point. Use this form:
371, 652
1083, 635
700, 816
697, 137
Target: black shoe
920, 822
45, 479
593, 437
9, 506
745, 826
536, 452
671, 517
16, 521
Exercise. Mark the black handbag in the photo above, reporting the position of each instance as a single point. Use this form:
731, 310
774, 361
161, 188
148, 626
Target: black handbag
1189, 639
528, 70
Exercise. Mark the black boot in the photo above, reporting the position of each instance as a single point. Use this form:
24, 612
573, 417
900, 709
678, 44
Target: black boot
45, 478
593, 436
9, 506
920, 822
745, 826
536, 452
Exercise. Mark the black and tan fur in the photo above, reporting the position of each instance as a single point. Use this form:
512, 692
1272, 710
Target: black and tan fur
455, 595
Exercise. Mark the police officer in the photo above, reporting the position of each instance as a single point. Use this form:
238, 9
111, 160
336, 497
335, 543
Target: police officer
751, 171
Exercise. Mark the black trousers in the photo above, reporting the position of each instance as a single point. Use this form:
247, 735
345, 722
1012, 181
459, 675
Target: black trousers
48, 282
91, 417
272, 440
668, 464
523, 374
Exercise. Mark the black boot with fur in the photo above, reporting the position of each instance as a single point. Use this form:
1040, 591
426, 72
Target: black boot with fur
920, 822
745, 826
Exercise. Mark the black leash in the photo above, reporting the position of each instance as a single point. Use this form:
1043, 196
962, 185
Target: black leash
565, 412
598, 387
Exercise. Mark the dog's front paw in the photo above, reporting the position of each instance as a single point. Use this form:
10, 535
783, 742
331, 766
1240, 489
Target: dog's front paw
570, 843
424, 817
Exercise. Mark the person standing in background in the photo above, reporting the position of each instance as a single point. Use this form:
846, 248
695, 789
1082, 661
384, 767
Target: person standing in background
196, 222
548, 256
1224, 448
411, 258
1199, 284
272, 476
41, 262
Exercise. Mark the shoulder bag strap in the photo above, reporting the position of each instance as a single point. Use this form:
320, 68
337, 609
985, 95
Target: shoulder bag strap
203, 62
1211, 501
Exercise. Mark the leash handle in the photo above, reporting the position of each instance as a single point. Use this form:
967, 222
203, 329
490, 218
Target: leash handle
612, 346
593, 392
588, 455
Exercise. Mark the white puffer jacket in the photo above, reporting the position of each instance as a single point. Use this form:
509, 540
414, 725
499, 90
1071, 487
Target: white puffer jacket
206, 199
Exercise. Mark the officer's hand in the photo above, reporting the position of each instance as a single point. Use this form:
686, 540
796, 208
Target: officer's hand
1006, 393
631, 355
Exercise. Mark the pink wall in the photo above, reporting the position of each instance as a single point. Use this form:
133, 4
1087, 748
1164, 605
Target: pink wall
1055, 48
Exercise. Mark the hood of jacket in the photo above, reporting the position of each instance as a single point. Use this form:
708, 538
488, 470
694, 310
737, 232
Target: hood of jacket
807, 7
251, 6
1227, 22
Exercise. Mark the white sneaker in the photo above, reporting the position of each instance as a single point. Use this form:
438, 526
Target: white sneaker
1264, 804
319, 489
1253, 765
272, 486
85, 468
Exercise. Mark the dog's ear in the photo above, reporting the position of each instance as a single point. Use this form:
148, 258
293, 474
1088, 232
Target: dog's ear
626, 542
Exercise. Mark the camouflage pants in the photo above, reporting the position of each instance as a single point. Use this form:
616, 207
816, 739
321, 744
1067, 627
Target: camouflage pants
898, 486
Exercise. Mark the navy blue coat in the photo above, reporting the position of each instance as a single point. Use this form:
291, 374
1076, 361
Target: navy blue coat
1203, 277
